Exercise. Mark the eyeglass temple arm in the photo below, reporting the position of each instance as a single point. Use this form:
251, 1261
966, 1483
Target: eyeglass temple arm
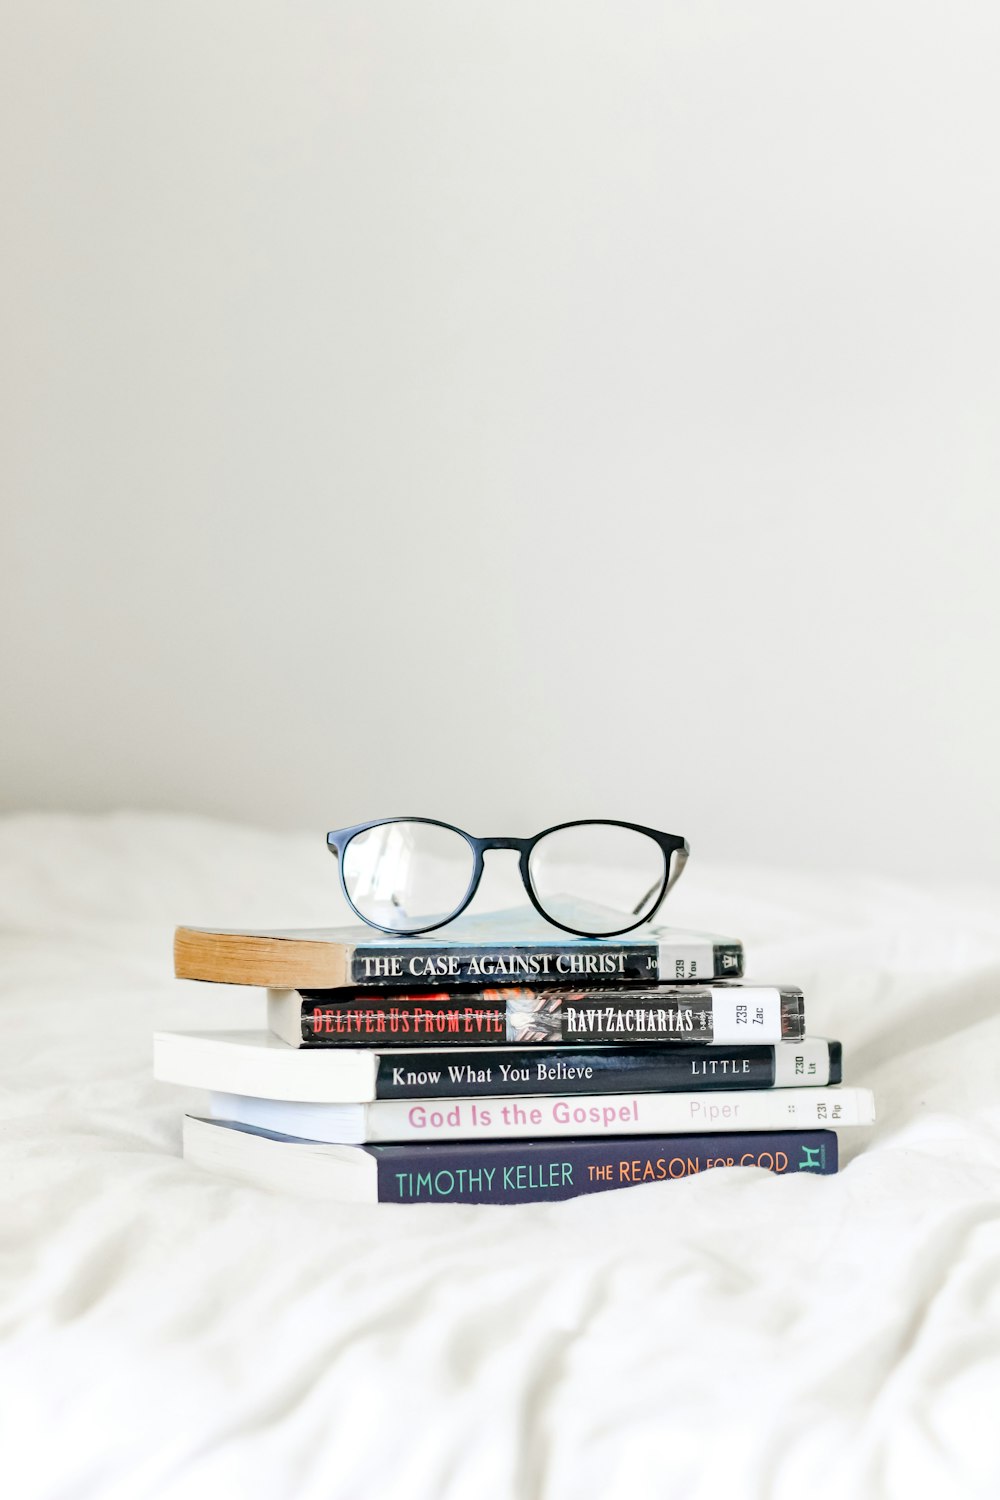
678, 860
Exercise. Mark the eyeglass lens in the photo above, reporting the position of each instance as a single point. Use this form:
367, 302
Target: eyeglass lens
407, 875
597, 877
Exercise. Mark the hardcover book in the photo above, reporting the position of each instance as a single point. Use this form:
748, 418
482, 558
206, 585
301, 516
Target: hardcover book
539, 1117
501, 947
485, 1172
259, 1064
529, 1014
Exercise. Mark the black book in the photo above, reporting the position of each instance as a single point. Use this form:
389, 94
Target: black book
525, 1015
507, 947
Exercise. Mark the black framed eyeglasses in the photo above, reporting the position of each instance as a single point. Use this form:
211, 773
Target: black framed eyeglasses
595, 877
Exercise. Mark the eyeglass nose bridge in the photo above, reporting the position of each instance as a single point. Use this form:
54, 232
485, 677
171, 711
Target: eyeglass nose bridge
517, 845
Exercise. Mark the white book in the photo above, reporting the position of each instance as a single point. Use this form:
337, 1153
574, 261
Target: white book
543, 1117
260, 1064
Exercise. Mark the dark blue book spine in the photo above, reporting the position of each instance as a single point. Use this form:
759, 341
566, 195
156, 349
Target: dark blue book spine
540, 1171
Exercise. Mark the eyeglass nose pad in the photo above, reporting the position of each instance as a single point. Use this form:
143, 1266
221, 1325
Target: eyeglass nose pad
500, 873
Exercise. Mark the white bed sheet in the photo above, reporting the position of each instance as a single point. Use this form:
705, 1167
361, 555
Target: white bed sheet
169, 1334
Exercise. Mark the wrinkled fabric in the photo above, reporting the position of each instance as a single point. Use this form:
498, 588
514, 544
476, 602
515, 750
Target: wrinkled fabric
166, 1333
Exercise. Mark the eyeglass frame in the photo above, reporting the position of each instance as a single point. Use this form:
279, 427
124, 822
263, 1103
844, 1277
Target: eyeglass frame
670, 844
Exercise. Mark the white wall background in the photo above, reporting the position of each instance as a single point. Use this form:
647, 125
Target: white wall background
507, 411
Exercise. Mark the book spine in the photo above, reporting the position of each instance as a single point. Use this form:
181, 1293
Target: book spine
615, 1114
541, 1171
669, 962
606, 1070
551, 1016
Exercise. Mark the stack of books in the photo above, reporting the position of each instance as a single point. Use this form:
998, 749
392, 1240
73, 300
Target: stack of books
501, 1062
